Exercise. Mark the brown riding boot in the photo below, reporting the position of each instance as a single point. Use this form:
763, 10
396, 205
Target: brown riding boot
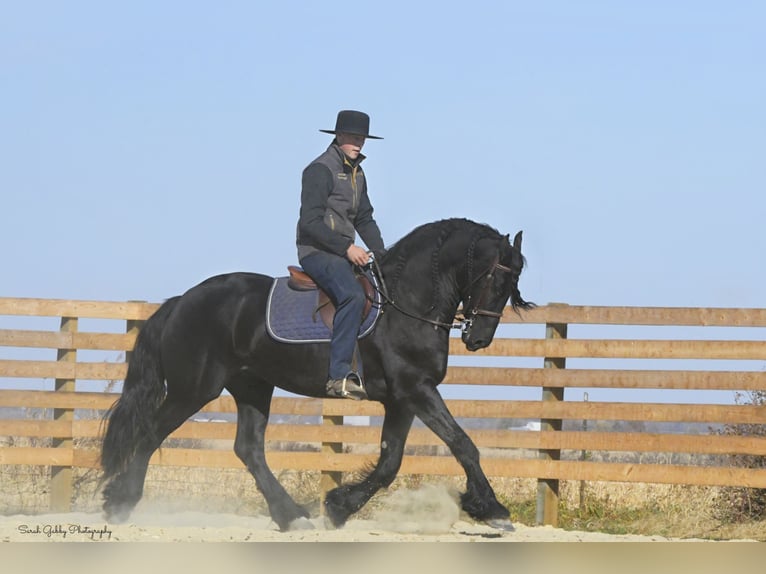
349, 387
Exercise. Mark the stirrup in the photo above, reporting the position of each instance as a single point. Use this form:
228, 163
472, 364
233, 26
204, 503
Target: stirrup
349, 387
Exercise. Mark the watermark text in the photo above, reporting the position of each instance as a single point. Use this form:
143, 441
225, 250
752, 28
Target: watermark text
66, 531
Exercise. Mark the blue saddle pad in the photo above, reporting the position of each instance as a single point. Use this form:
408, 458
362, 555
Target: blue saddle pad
291, 315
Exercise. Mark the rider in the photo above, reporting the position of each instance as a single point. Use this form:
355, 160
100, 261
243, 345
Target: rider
334, 208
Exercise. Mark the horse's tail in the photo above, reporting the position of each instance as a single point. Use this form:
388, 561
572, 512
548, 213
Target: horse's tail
131, 418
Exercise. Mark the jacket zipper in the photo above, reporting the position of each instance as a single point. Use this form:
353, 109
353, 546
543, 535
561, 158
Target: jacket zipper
354, 194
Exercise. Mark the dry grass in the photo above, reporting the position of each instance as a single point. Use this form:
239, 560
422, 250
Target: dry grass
24, 486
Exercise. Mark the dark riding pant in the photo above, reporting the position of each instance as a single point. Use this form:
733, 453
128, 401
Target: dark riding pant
336, 277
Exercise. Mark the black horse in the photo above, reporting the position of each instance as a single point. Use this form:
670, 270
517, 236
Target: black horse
214, 337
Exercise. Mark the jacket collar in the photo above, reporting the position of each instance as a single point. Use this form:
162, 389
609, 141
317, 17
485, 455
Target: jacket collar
344, 158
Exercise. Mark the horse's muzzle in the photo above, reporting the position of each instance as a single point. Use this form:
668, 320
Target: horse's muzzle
474, 344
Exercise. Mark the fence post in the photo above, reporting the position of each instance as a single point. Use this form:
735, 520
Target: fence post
61, 476
330, 478
583, 456
132, 326
548, 488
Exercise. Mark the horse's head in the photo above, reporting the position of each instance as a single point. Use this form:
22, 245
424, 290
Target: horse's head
496, 267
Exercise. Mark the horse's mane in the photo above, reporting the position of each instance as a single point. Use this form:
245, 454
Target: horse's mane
434, 234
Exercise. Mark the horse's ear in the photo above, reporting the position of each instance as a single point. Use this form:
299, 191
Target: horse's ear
506, 240
517, 241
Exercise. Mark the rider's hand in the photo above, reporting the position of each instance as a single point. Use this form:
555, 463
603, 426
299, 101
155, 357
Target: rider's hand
357, 255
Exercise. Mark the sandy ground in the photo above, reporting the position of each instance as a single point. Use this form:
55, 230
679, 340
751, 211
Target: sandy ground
420, 531
202, 527
428, 514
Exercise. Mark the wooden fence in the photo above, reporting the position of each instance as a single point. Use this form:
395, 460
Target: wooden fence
564, 444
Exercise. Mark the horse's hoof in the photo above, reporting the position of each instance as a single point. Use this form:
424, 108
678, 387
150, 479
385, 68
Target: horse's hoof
116, 515
300, 523
330, 525
501, 524
334, 517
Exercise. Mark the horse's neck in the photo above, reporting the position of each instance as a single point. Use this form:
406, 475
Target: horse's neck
423, 290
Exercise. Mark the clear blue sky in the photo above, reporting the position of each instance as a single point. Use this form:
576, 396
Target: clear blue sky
148, 145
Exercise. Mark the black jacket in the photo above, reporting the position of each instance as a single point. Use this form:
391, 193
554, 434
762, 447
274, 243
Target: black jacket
335, 206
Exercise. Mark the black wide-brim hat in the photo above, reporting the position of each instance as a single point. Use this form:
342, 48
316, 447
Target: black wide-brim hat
352, 122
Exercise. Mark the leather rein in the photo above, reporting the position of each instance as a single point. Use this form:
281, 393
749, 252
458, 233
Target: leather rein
463, 321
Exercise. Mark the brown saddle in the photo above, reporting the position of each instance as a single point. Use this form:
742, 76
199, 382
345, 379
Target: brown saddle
300, 281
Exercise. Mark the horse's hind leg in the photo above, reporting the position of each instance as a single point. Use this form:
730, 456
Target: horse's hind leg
253, 400
342, 502
479, 500
123, 492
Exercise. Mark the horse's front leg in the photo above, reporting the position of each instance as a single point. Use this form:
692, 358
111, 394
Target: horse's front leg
342, 502
479, 500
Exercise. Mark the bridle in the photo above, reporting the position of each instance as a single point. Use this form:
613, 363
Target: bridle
476, 309
463, 321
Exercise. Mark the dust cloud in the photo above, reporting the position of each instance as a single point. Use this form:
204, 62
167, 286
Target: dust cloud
431, 509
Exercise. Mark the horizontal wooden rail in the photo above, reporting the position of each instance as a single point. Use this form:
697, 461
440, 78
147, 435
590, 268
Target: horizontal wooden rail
574, 348
607, 378
485, 376
134, 310
552, 313
65, 340
97, 371
486, 438
649, 412
618, 349
653, 316
434, 465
